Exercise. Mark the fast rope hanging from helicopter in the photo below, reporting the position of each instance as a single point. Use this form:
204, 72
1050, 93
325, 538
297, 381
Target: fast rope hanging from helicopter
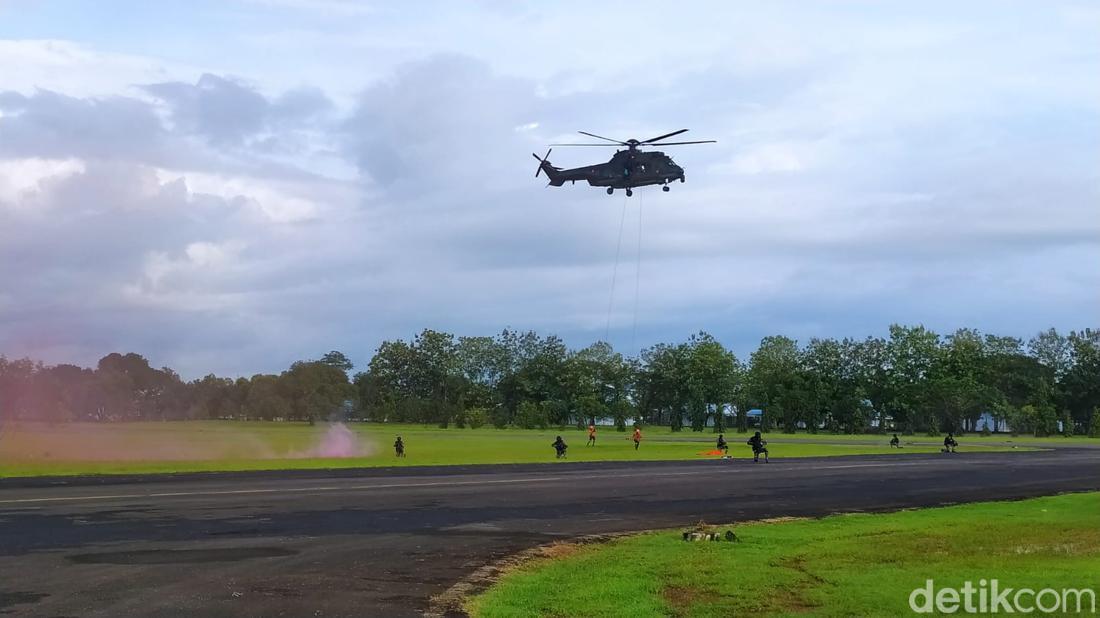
615, 274
657, 169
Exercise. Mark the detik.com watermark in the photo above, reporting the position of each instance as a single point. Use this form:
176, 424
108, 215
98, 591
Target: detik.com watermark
988, 597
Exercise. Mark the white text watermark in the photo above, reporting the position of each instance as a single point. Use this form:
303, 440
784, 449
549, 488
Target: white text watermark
990, 597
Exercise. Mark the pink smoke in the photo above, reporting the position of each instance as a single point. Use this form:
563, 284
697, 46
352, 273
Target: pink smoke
337, 441
26, 442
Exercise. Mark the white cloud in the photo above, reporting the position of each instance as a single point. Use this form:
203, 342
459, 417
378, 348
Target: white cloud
274, 199
75, 69
20, 176
897, 164
769, 158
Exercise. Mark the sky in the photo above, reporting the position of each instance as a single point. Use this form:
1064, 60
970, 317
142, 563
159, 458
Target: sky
231, 186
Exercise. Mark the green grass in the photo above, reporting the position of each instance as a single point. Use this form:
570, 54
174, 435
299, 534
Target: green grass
844, 565
120, 448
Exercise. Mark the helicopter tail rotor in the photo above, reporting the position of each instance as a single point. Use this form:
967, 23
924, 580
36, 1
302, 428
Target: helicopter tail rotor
542, 162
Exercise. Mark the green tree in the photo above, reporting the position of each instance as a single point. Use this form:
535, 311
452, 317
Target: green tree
264, 400
712, 374
1080, 384
663, 391
532, 415
772, 381
911, 353
1052, 350
835, 371
315, 391
337, 359
869, 362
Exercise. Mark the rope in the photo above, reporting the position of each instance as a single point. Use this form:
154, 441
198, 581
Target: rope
637, 276
615, 274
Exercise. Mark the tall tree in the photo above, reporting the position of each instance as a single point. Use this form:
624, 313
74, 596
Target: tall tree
712, 377
911, 353
1081, 381
337, 359
1053, 350
315, 391
771, 379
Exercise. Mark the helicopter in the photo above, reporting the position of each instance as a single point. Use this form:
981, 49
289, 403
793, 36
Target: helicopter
627, 168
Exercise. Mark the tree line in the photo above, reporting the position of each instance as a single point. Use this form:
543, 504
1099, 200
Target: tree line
913, 381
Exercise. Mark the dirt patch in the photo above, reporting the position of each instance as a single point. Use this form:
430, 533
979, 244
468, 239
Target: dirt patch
682, 598
793, 599
795, 604
777, 520
798, 563
555, 551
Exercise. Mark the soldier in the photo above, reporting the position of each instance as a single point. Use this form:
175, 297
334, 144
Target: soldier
894, 442
559, 447
722, 446
758, 445
949, 443
399, 447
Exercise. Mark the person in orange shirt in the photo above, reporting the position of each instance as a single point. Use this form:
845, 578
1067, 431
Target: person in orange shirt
591, 434
637, 437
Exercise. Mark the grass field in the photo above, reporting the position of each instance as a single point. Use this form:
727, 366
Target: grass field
91, 448
845, 565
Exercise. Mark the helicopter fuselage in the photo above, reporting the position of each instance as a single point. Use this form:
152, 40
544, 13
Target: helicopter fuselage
626, 169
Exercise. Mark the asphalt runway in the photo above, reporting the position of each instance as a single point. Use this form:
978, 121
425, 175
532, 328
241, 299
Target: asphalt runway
382, 542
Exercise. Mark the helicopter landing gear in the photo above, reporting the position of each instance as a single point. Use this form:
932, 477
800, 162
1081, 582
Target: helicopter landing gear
629, 193
681, 179
610, 190
665, 188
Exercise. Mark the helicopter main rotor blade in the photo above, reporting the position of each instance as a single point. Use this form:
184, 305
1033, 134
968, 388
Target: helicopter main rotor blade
705, 141
602, 137
654, 139
599, 145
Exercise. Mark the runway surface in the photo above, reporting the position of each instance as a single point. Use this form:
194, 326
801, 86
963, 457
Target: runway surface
381, 542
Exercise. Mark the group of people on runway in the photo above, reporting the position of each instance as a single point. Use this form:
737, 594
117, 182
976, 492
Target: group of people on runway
757, 442
560, 446
759, 447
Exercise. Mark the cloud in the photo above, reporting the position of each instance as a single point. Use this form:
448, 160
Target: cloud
19, 177
122, 254
54, 125
76, 69
769, 158
873, 166
444, 121
227, 111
